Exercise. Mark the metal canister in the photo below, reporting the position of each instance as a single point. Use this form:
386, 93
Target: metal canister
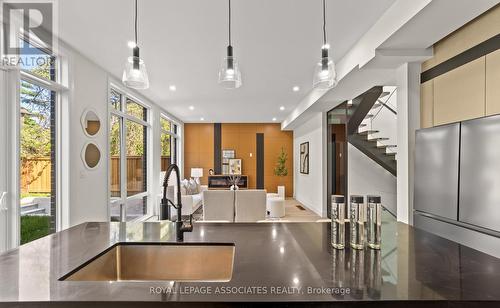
357, 221
337, 213
374, 222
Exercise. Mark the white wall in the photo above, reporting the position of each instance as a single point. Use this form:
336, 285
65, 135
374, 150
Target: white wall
86, 192
408, 101
88, 198
310, 189
366, 177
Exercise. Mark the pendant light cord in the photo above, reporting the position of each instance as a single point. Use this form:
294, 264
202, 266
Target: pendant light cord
324, 22
229, 6
135, 26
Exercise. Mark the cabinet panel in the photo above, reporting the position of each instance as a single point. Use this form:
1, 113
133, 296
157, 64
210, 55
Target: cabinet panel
436, 170
492, 83
460, 94
426, 104
479, 170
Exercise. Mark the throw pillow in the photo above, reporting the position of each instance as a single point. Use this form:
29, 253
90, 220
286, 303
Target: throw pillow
185, 187
193, 187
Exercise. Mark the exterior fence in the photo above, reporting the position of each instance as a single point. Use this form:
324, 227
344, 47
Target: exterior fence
35, 175
36, 179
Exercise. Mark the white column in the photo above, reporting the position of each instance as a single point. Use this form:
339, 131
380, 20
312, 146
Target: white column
408, 101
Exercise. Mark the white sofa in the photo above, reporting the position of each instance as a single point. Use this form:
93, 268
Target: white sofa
218, 205
250, 205
190, 203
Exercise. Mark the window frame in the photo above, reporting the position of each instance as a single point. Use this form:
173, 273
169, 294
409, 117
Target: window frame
61, 92
175, 135
124, 117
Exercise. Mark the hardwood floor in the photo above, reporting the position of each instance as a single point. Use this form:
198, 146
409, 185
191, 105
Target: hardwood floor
296, 212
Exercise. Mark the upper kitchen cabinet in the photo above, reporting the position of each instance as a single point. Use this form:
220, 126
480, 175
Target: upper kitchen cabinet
492, 83
460, 93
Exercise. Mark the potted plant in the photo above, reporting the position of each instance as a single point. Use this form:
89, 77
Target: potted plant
281, 171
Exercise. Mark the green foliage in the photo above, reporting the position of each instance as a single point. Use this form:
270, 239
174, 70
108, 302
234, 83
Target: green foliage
114, 134
34, 227
35, 139
36, 105
165, 145
280, 169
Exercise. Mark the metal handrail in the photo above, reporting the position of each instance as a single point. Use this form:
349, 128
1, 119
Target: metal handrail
385, 105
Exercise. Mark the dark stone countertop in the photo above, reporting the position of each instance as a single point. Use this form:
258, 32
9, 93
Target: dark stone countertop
285, 260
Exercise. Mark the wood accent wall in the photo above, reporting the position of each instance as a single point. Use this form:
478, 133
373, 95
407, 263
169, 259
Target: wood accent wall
468, 91
241, 137
471, 34
198, 149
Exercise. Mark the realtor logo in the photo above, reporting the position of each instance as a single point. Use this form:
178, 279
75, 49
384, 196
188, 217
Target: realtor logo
27, 28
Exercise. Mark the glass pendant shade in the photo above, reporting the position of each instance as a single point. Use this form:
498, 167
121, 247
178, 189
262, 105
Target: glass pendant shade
325, 76
229, 73
135, 75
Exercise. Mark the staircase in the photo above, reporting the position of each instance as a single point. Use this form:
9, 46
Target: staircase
375, 134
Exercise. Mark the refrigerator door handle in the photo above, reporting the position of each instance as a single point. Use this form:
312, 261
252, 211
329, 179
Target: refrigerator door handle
3, 208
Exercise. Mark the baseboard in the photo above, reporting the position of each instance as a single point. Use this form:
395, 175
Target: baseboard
308, 207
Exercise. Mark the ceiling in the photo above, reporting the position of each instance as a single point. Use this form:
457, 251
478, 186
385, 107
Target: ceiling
183, 42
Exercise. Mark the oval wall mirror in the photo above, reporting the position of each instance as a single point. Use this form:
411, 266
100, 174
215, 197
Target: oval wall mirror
91, 123
91, 155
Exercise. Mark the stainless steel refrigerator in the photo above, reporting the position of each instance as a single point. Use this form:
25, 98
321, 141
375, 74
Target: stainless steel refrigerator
436, 170
479, 194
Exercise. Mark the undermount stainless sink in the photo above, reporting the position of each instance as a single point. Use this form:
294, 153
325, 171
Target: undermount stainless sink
154, 262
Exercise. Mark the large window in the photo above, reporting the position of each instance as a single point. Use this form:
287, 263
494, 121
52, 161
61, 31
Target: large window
37, 142
128, 144
169, 142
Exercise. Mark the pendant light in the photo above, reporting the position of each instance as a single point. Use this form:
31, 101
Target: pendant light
325, 76
135, 75
229, 73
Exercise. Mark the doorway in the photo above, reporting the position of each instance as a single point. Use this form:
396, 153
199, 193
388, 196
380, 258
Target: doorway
337, 153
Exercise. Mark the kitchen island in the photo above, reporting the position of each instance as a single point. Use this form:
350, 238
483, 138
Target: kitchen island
273, 262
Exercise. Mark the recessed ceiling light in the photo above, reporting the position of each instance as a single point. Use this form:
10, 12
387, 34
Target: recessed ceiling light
274, 119
282, 108
131, 44
202, 119
296, 89
191, 107
172, 88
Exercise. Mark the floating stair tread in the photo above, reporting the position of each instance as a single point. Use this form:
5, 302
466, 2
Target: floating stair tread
368, 132
390, 154
384, 94
378, 139
376, 105
387, 146
369, 116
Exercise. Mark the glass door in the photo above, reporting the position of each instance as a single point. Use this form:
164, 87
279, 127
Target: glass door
128, 146
4, 232
337, 119
37, 166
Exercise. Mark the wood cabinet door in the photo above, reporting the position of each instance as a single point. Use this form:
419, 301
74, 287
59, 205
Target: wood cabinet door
460, 94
